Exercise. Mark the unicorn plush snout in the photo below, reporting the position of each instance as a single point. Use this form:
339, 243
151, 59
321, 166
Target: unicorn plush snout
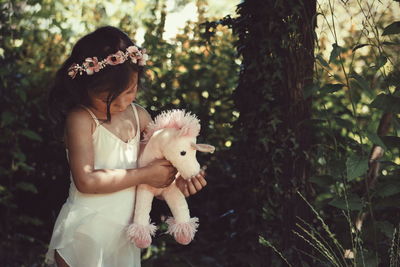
192, 168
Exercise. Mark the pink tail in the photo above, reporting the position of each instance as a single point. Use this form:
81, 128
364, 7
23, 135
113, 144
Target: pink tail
141, 234
182, 232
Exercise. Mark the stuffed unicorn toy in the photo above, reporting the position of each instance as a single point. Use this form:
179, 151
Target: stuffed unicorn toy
172, 136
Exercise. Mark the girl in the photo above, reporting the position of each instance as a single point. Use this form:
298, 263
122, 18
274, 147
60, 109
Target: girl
91, 106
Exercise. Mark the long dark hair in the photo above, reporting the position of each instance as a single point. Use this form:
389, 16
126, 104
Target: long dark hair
67, 93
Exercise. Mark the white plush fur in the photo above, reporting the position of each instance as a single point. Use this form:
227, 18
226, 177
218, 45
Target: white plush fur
183, 232
186, 123
172, 135
141, 234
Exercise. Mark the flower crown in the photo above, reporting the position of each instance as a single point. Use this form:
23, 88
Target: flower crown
92, 64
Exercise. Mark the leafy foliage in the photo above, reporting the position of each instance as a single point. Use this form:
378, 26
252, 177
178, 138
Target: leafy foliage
305, 111
36, 36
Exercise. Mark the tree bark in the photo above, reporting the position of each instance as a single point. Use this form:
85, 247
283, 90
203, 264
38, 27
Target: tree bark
276, 40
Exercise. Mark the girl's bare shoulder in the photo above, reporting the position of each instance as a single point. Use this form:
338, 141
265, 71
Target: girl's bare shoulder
144, 117
79, 118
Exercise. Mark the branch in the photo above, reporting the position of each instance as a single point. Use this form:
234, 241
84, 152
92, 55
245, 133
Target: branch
374, 165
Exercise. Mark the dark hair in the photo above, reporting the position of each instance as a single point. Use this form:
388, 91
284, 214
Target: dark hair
67, 93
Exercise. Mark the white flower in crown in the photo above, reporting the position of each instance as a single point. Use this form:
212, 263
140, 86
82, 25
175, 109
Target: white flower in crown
73, 70
143, 60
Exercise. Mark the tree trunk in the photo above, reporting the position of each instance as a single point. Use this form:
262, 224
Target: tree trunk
276, 40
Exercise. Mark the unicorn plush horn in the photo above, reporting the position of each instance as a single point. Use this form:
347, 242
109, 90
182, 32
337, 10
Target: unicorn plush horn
172, 135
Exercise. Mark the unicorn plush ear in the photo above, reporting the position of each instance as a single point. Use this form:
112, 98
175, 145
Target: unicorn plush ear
203, 147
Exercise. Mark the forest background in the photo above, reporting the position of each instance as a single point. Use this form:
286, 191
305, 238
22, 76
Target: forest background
301, 99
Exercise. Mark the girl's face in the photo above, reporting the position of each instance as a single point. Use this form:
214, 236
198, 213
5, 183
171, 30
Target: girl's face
119, 104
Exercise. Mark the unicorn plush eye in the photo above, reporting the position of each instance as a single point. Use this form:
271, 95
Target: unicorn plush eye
183, 153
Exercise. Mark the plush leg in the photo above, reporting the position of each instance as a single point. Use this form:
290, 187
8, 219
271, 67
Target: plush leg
141, 230
182, 227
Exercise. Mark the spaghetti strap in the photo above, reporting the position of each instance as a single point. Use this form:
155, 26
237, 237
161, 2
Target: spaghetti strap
137, 119
92, 114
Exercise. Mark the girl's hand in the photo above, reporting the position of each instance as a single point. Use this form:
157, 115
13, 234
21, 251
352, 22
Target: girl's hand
194, 185
161, 173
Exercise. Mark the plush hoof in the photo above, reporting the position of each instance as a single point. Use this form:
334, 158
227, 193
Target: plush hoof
141, 234
182, 232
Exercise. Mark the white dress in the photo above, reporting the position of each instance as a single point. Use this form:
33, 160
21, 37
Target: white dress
90, 230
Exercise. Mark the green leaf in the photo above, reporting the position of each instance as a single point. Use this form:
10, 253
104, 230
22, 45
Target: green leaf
25, 167
30, 220
2, 189
29, 187
19, 156
263, 241
354, 203
367, 258
21, 95
380, 62
336, 49
310, 90
390, 43
387, 202
388, 103
347, 124
323, 180
7, 118
391, 141
337, 167
386, 228
389, 164
322, 61
389, 188
396, 123
359, 46
31, 135
393, 28
376, 140
360, 81
331, 88
356, 166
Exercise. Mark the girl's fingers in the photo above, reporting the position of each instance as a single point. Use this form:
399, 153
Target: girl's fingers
184, 188
172, 171
185, 191
201, 180
182, 185
197, 183
191, 188
165, 162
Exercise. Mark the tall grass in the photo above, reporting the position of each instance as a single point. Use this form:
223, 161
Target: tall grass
327, 249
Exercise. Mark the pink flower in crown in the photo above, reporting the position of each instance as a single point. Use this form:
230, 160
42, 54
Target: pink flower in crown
73, 70
143, 59
116, 58
132, 52
140, 60
91, 65
133, 58
132, 49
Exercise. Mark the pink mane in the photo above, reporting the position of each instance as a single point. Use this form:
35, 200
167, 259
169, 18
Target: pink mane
186, 123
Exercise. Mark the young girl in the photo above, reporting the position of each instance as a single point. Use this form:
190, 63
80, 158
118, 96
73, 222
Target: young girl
91, 105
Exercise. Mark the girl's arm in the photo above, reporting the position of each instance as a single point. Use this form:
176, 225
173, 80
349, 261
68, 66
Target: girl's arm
144, 119
79, 129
